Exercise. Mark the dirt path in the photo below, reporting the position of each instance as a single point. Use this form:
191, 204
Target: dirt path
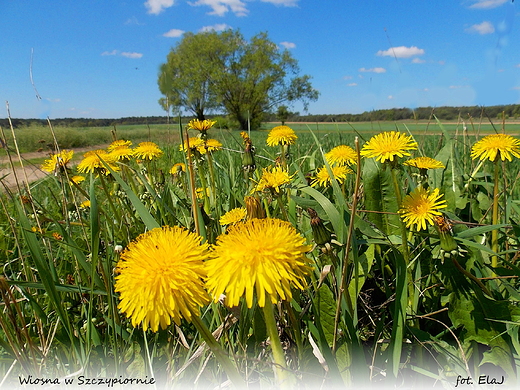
30, 172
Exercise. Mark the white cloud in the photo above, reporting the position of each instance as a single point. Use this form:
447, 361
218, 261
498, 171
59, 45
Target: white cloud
373, 70
157, 6
481, 28
110, 53
487, 4
221, 7
352, 85
133, 20
173, 33
418, 61
216, 27
390, 97
288, 45
131, 54
401, 52
285, 3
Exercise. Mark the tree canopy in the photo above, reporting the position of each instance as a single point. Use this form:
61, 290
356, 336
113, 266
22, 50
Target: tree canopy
213, 71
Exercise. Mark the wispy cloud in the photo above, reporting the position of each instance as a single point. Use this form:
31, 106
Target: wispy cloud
133, 20
401, 52
481, 28
216, 27
288, 45
417, 60
285, 3
352, 85
373, 70
110, 53
222, 7
173, 33
487, 4
155, 7
128, 54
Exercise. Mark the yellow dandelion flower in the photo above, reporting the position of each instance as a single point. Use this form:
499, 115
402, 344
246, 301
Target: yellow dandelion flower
323, 178
177, 168
57, 236
147, 151
57, 161
93, 162
388, 145
233, 216
244, 135
76, 179
200, 192
209, 145
424, 163
160, 277
195, 143
341, 155
85, 204
122, 153
266, 256
199, 125
281, 135
420, 206
273, 179
119, 143
495, 146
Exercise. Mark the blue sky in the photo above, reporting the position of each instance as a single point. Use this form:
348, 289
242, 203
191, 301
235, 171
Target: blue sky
100, 59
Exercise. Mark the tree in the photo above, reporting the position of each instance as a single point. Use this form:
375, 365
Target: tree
214, 70
282, 114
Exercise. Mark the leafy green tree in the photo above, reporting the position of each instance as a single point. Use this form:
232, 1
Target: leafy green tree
221, 70
282, 114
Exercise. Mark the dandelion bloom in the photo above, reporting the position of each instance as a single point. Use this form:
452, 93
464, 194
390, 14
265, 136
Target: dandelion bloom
233, 216
77, 179
424, 163
147, 151
122, 153
281, 135
119, 143
209, 145
323, 178
199, 125
341, 155
496, 146
57, 161
421, 206
195, 143
160, 277
93, 162
85, 204
266, 256
177, 168
387, 145
273, 179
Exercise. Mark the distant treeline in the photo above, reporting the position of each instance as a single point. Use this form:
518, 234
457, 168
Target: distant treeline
395, 114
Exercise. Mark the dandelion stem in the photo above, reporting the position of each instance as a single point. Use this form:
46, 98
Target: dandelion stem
494, 233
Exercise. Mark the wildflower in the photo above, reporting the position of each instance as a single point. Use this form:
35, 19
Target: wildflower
195, 143
199, 125
118, 144
147, 151
85, 204
248, 157
266, 256
122, 153
178, 168
341, 155
424, 163
244, 135
200, 191
233, 216
57, 161
57, 236
281, 135
273, 179
323, 178
320, 233
388, 145
93, 162
495, 146
76, 179
160, 277
209, 145
421, 206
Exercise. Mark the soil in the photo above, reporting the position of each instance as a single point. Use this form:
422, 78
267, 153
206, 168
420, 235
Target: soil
30, 172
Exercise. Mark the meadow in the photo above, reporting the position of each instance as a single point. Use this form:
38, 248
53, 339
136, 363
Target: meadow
192, 256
